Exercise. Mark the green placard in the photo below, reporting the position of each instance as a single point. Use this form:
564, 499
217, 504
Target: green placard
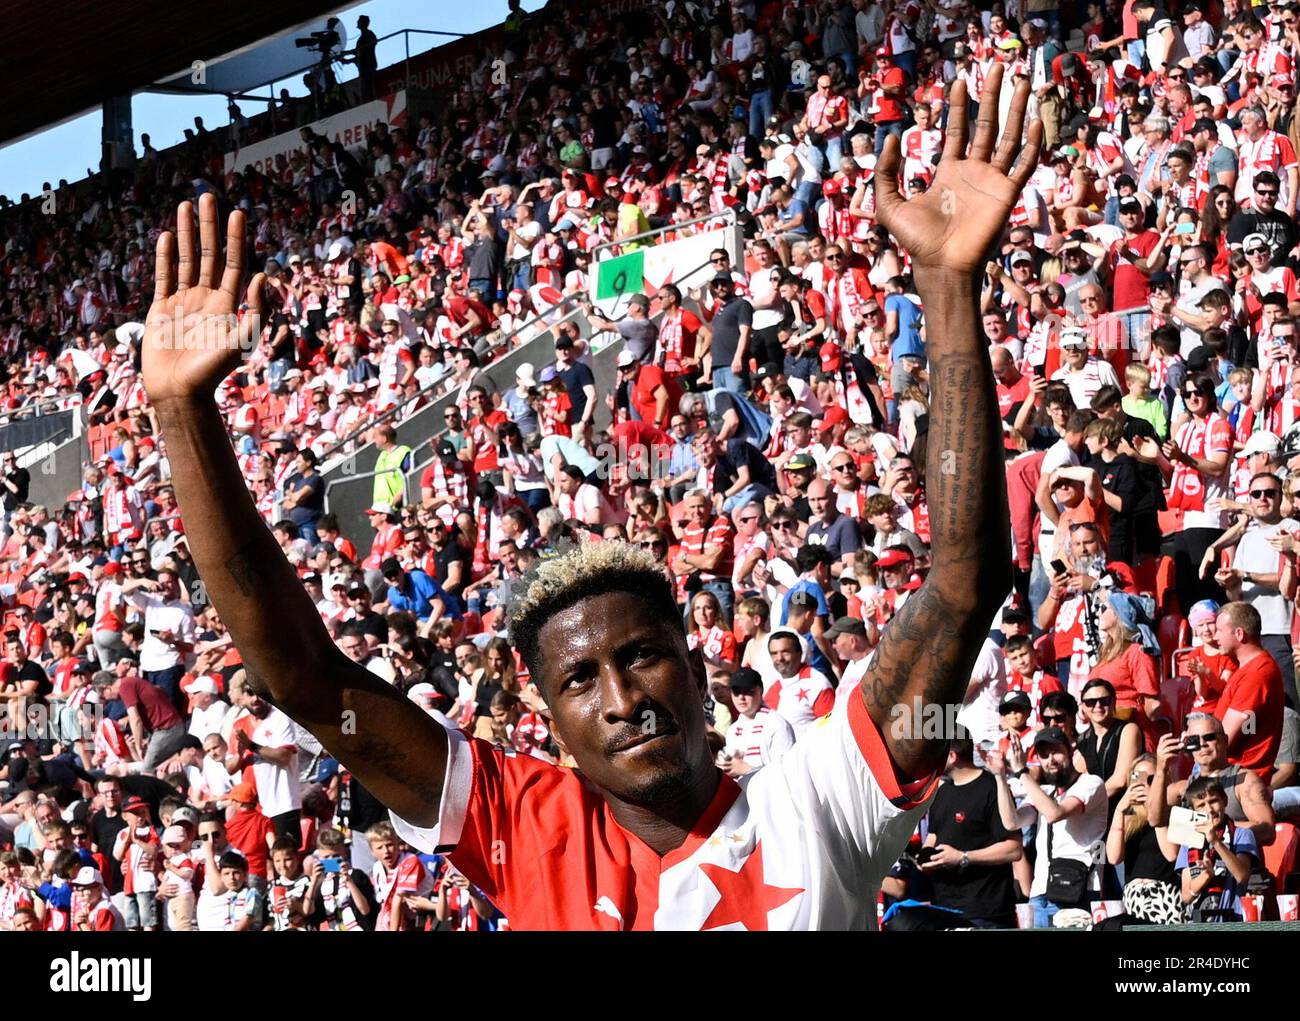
623, 274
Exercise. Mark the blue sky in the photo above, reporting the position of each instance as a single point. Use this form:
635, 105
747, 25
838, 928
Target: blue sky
66, 151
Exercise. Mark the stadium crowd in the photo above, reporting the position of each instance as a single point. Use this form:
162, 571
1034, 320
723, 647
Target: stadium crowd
1128, 745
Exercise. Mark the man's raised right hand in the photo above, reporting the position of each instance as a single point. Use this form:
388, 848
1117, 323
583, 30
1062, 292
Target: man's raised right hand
193, 337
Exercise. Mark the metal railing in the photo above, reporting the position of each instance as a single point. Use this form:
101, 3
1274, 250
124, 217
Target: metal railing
418, 462
432, 389
725, 215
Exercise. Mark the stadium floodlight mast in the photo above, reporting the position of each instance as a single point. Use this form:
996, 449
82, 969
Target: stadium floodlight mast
652, 835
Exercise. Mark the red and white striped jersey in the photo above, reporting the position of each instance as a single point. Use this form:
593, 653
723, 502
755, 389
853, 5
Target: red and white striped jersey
800, 844
760, 739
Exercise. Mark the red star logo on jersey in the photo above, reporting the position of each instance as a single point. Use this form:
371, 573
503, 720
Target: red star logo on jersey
802, 695
745, 897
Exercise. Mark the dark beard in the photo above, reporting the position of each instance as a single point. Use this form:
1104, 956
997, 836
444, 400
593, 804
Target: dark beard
1059, 780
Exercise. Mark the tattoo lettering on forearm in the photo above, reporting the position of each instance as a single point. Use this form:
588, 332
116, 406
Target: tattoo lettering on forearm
376, 753
243, 569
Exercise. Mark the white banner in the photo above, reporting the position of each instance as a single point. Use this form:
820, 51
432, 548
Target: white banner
348, 128
684, 262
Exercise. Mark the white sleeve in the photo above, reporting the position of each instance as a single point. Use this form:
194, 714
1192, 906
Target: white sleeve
841, 782
456, 786
780, 738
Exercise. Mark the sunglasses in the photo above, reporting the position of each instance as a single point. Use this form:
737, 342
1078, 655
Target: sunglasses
1052, 719
1264, 494
783, 526
1268, 193
1257, 251
846, 467
1093, 703
1190, 394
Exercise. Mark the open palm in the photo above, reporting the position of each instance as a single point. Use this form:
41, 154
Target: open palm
193, 337
954, 224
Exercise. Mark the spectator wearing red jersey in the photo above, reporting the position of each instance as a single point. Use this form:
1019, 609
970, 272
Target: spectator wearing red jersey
1127, 661
651, 393
1195, 463
1209, 666
1251, 704
249, 831
705, 552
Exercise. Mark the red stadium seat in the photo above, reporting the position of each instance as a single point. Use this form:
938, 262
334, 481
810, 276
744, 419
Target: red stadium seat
1156, 577
1173, 632
1280, 856
1045, 652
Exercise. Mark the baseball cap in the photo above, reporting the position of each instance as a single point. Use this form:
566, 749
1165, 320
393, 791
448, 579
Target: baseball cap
625, 359
446, 449
1253, 242
87, 875
1020, 255
847, 626
390, 565
135, 803
640, 300
547, 374
243, 794
745, 679
722, 278
800, 462
1015, 700
175, 835
1205, 124
563, 342
1014, 615
1073, 337
379, 508
1261, 443
1051, 735
203, 686
186, 814
893, 558
1130, 205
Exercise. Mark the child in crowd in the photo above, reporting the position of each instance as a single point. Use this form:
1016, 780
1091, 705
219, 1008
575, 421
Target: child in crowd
178, 863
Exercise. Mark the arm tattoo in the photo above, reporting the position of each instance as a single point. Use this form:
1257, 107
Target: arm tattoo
925, 657
243, 569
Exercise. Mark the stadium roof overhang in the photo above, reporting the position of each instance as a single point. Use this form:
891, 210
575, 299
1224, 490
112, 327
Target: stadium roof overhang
120, 48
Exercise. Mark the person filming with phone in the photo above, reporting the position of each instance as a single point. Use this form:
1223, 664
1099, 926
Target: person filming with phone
1072, 808
1248, 799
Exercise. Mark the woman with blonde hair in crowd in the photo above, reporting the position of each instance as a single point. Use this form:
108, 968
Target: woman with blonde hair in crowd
1128, 662
1151, 889
706, 631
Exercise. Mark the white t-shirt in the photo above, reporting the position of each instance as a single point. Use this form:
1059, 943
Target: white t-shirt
1058, 455
1255, 555
530, 230
210, 720
278, 789
1076, 836
980, 715
760, 740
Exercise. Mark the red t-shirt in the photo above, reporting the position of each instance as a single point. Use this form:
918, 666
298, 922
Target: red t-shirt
152, 702
648, 379
887, 107
247, 831
1256, 688
1130, 285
